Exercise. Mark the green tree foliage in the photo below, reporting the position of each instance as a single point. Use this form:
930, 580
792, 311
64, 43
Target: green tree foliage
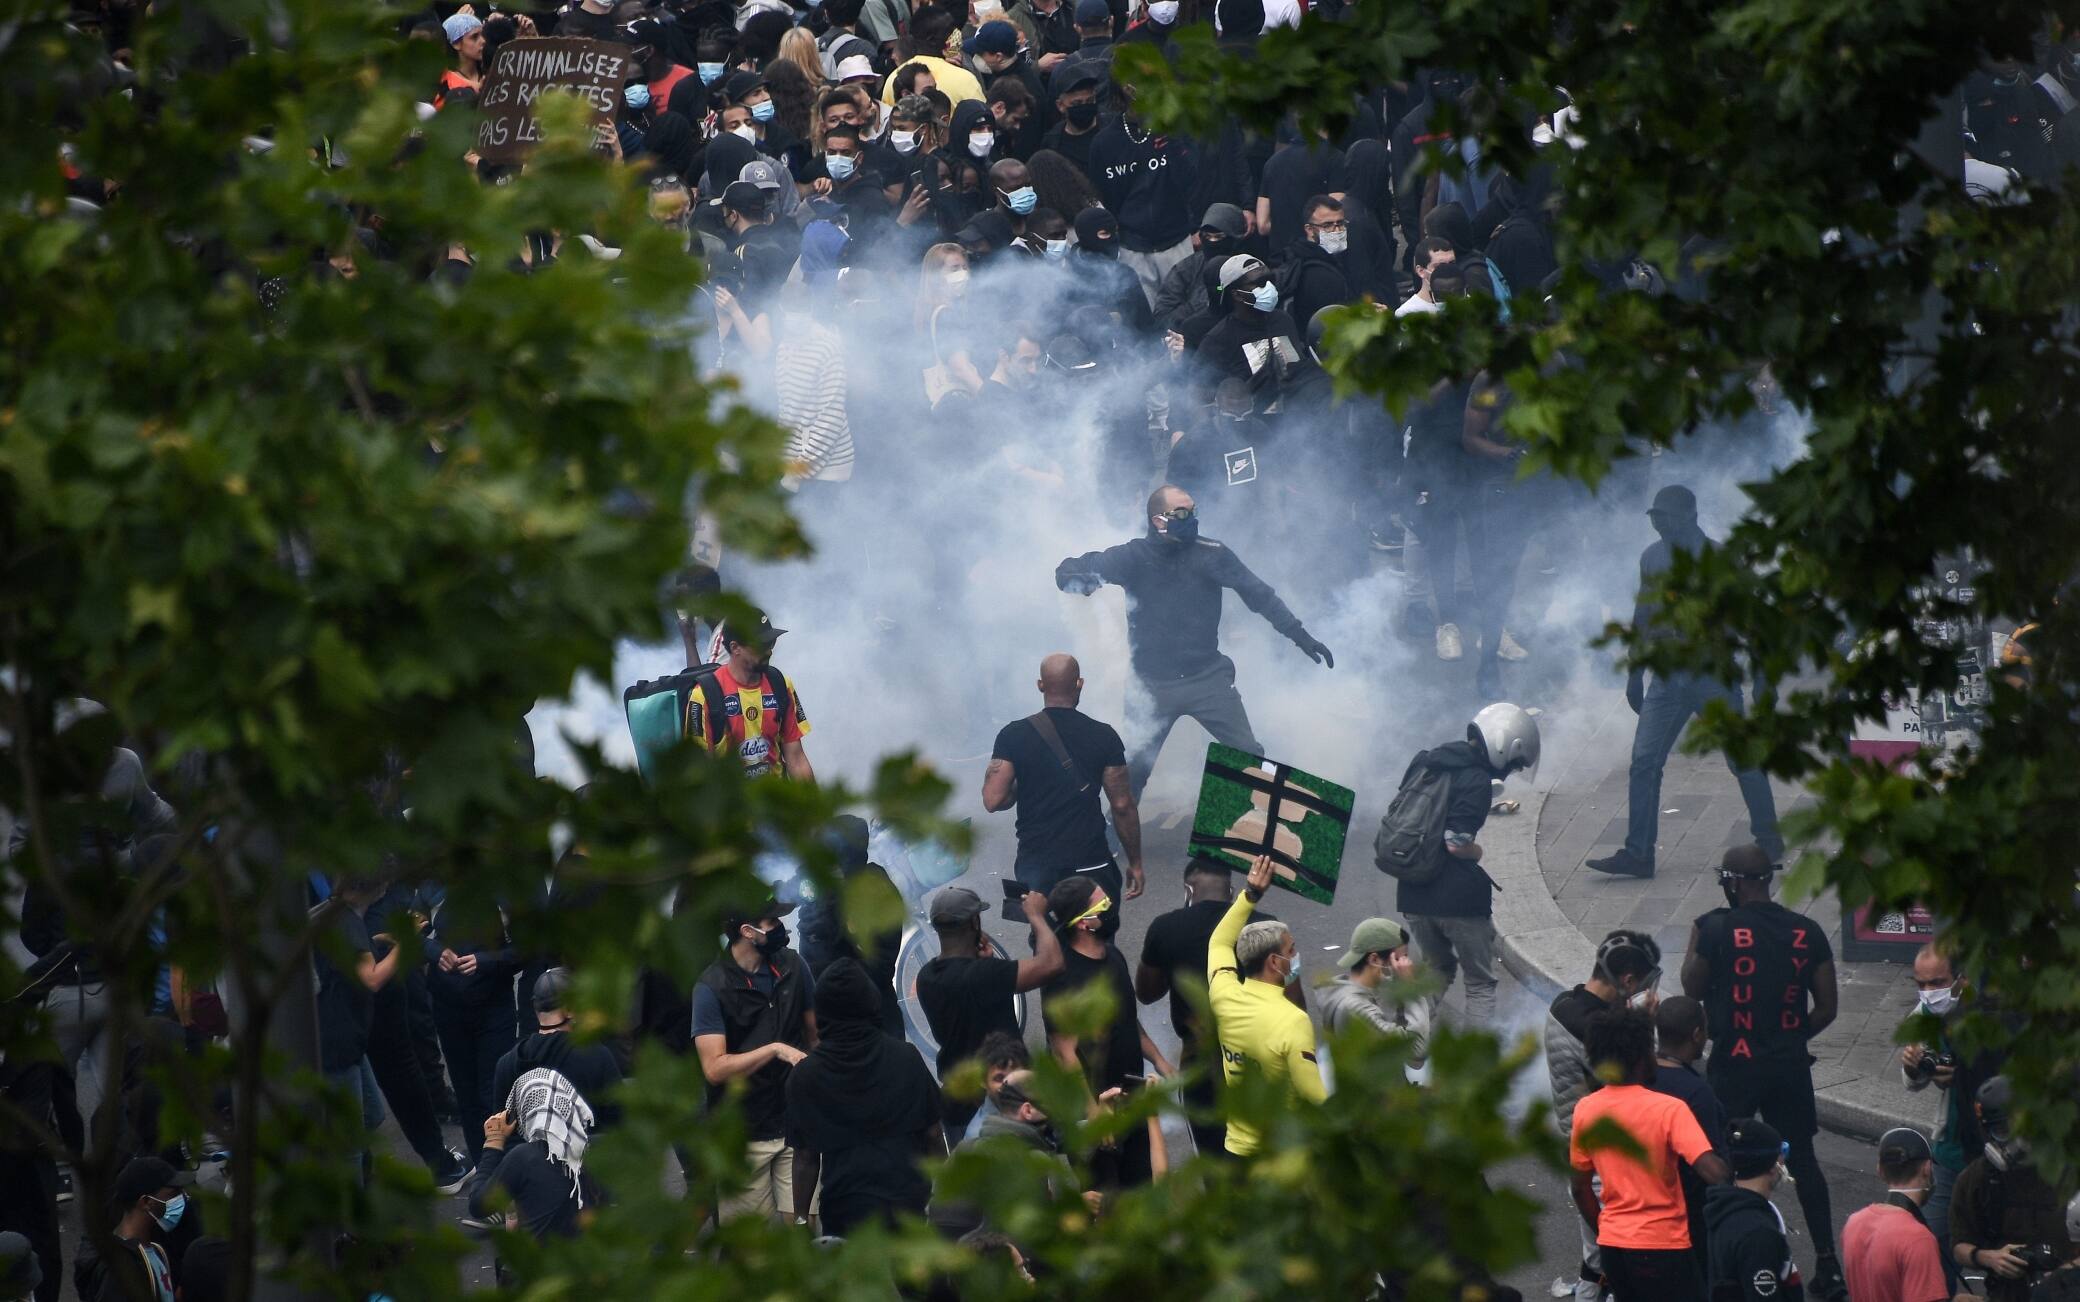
1798, 161
315, 525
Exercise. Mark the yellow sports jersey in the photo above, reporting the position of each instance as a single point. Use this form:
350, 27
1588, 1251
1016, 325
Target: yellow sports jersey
752, 722
1259, 1030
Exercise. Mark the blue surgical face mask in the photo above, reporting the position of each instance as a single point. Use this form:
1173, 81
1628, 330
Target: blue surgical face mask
1056, 250
840, 166
710, 73
1022, 200
763, 111
636, 96
1264, 297
169, 1214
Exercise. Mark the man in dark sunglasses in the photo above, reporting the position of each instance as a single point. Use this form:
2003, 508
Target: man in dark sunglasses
1174, 581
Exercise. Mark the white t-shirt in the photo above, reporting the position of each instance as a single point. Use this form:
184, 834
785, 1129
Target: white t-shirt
1417, 303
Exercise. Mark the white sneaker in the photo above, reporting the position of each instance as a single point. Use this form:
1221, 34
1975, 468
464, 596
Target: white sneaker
1449, 646
1506, 647
1563, 1286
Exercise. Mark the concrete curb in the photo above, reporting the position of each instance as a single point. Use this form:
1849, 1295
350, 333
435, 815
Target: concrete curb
1547, 953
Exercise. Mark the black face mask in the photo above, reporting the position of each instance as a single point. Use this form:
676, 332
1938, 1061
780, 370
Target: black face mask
1081, 116
1183, 532
1213, 250
773, 941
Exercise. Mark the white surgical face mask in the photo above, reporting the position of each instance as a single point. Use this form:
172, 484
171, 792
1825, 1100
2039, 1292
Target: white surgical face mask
1162, 12
904, 141
980, 143
957, 280
839, 166
1335, 241
745, 134
1939, 1002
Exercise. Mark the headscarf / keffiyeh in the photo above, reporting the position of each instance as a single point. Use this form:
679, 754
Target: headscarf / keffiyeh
549, 1108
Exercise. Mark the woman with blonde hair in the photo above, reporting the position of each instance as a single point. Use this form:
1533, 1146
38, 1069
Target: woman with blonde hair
942, 291
798, 47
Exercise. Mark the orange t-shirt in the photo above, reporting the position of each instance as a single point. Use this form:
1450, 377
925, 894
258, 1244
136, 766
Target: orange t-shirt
1642, 1202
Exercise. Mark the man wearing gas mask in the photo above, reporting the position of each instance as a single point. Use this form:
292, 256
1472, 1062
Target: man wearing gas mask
2004, 1218
1174, 581
1766, 978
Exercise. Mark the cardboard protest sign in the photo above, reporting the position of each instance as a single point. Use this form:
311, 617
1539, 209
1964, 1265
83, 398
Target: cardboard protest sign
1250, 806
530, 67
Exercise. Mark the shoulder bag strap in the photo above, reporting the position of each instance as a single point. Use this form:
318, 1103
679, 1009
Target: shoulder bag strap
1045, 727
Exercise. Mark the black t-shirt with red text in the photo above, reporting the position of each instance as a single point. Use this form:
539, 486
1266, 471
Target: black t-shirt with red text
1763, 959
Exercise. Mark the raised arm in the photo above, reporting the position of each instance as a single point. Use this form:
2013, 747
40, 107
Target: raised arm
1085, 574
1046, 963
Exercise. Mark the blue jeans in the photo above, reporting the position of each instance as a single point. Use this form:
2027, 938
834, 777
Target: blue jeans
1670, 702
1936, 1212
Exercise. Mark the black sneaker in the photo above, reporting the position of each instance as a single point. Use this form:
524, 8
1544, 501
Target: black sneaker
64, 1185
450, 1176
1622, 864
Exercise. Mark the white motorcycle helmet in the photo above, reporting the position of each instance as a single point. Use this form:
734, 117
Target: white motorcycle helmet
1507, 736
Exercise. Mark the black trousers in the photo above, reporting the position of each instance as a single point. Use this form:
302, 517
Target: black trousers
1782, 1095
29, 1207
403, 1082
1652, 1275
473, 1038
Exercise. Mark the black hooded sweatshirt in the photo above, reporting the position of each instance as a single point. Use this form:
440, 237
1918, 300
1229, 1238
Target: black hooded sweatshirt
866, 1103
1750, 1259
593, 1068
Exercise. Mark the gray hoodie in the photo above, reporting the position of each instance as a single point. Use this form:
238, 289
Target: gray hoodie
1346, 1003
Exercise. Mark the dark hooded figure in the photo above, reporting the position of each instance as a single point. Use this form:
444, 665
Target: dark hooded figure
727, 157
863, 1108
985, 235
673, 147
1519, 246
1098, 276
970, 116
1368, 205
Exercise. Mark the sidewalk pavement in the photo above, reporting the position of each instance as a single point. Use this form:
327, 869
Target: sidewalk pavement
1551, 911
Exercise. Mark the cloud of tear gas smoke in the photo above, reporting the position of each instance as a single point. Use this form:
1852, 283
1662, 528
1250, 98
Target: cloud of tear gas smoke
923, 616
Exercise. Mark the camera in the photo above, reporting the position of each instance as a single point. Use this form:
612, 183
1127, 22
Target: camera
1930, 1063
2040, 1258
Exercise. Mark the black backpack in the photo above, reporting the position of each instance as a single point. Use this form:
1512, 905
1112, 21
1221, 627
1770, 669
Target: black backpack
1410, 842
658, 710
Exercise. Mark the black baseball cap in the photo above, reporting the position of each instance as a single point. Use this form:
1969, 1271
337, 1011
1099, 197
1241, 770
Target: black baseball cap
956, 905
148, 1175
1753, 1146
1903, 1144
740, 84
745, 197
761, 631
1072, 76
732, 923
551, 990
